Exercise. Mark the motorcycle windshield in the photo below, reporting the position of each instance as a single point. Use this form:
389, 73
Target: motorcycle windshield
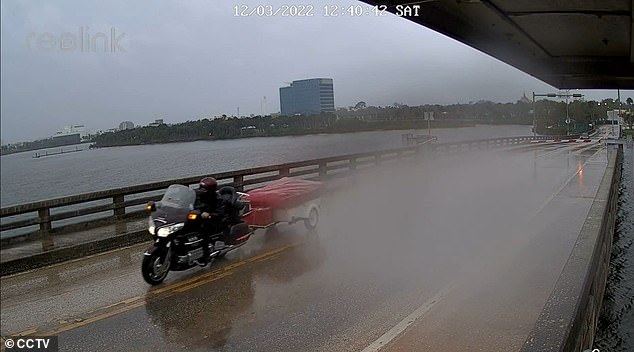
179, 196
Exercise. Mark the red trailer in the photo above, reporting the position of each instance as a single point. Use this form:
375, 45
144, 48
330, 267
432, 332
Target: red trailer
287, 200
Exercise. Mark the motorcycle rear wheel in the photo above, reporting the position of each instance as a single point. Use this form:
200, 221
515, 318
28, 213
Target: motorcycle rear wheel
154, 267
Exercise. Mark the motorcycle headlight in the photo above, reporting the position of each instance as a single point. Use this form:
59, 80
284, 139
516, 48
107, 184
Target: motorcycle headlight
150, 226
168, 230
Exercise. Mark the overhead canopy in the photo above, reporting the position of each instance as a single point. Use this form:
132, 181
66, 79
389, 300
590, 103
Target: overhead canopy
565, 43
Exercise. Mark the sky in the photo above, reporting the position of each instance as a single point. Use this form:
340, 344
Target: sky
186, 60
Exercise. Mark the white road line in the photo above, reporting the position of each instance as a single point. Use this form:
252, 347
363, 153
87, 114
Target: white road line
399, 328
552, 196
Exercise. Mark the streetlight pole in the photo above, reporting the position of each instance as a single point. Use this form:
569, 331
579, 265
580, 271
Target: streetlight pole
534, 113
567, 117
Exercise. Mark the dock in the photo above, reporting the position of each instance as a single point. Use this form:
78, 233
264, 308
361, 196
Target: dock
61, 151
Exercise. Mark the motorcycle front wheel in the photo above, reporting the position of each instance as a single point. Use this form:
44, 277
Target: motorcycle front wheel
155, 266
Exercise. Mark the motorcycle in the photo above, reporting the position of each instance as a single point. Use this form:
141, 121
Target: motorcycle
177, 230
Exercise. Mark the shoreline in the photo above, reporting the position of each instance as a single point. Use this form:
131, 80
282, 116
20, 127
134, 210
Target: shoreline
291, 134
450, 125
456, 124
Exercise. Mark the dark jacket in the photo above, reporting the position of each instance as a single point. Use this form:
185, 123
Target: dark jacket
208, 202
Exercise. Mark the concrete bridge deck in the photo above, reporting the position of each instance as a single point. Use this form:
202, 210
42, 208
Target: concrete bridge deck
463, 250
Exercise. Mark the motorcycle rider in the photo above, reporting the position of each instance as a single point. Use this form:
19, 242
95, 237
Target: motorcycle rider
211, 207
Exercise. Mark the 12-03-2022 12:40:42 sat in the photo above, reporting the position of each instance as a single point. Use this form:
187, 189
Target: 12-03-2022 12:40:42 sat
307, 10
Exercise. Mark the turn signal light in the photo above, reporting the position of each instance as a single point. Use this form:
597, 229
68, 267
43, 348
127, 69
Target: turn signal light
192, 216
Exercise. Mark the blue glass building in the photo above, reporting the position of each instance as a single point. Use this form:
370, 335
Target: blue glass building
307, 96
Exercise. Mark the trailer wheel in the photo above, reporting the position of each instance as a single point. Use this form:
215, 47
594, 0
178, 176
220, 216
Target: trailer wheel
313, 219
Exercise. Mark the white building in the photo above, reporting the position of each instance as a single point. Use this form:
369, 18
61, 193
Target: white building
156, 123
126, 125
73, 129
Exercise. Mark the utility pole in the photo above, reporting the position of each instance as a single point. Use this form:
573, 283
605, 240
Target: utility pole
567, 117
534, 115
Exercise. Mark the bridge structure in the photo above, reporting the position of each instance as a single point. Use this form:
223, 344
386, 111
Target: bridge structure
498, 244
505, 249
567, 44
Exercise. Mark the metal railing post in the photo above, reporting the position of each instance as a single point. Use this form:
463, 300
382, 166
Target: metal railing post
44, 215
323, 169
238, 183
352, 164
119, 207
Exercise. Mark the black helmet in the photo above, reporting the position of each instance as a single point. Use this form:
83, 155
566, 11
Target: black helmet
208, 184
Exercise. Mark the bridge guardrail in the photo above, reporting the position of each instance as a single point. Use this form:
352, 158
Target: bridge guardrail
120, 202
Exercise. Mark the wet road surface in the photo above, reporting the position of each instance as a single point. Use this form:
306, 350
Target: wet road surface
472, 243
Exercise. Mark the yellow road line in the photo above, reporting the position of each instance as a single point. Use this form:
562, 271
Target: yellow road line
179, 287
196, 284
207, 276
124, 302
25, 332
90, 320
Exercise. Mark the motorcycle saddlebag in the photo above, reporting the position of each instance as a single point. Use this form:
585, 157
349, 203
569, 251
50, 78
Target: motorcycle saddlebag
259, 217
239, 230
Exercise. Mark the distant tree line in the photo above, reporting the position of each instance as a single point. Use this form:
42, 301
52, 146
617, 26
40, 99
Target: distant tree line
257, 126
551, 114
481, 112
360, 117
363, 118
212, 129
